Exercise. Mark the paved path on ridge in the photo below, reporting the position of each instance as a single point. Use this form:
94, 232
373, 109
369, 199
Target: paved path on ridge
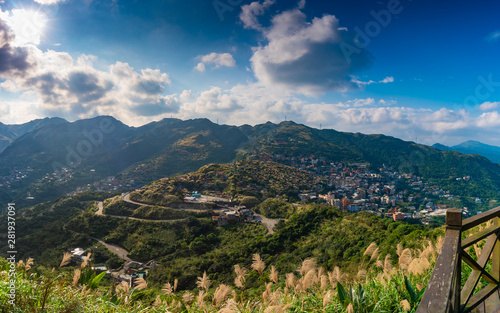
126, 198
101, 206
119, 251
268, 222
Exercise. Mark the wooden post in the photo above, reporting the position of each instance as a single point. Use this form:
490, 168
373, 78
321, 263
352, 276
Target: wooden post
495, 268
454, 221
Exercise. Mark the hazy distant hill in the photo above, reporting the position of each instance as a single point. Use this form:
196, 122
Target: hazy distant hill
173, 146
474, 147
8, 133
155, 150
64, 144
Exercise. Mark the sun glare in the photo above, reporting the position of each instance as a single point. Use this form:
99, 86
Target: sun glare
27, 25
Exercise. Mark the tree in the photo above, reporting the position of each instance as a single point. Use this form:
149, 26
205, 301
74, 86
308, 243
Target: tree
249, 201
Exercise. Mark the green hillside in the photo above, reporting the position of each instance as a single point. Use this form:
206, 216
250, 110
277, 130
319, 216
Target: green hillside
171, 146
319, 245
243, 178
442, 167
183, 146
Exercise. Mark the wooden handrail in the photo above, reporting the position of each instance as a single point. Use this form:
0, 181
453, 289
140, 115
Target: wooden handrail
439, 296
480, 218
444, 293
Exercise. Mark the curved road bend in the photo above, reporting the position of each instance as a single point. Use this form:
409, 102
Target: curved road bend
119, 251
126, 198
101, 207
268, 222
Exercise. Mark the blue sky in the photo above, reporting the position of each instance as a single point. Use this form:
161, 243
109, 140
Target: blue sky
418, 70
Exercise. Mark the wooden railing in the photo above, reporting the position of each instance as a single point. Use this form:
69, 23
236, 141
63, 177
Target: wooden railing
444, 293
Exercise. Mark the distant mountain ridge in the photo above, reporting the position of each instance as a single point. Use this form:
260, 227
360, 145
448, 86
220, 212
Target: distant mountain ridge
8, 133
172, 146
474, 147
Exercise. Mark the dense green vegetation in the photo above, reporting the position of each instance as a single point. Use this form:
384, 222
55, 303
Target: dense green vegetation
42, 231
274, 208
189, 246
244, 178
377, 287
151, 197
185, 248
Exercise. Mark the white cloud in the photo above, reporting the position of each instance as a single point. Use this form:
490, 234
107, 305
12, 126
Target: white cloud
10, 86
185, 95
74, 88
489, 119
19, 111
213, 101
27, 25
488, 106
216, 59
362, 102
49, 2
306, 57
250, 12
361, 83
200, 67
386, 102
4, 109
386, 80
14, 60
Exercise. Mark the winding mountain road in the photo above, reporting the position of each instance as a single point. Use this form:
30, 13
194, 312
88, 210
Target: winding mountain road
100, 207
126, 198
119, 251
268, 222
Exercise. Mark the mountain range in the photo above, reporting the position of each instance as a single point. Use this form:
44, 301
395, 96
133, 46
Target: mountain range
93, 149
8, 133
474, 147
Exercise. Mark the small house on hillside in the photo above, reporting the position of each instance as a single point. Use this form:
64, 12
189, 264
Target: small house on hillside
78, 254
237, 214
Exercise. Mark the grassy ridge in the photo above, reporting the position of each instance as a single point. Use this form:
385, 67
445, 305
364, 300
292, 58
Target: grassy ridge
251, 178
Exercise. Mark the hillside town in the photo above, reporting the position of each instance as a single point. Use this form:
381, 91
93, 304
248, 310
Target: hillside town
355, 187
352, 187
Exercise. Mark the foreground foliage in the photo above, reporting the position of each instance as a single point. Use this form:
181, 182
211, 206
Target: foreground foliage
377, 287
